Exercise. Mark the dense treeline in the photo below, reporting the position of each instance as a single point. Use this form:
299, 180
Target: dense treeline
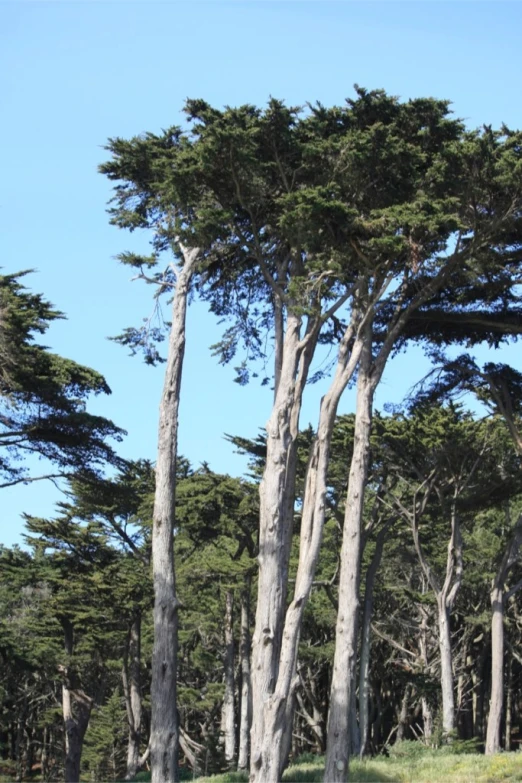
76, 608
361, 587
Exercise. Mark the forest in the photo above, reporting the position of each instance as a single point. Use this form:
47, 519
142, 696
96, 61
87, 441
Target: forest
358, 591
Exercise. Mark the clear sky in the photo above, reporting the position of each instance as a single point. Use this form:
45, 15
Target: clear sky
75, 73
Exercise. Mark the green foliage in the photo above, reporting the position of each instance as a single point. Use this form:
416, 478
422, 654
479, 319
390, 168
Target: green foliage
43, 396
104, 745
303, 205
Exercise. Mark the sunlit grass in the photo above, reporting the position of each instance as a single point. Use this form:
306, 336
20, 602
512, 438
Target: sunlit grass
428, 767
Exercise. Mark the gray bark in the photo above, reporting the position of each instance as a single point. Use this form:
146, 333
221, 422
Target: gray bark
246, 690
164, 731
132, 692
498, 599
445, 596
403, 714
276, 490
370, 373
427, 720
345, 657
76, 706
497, 671
229, 727
427, 712
275, 693
446, 669
509, 704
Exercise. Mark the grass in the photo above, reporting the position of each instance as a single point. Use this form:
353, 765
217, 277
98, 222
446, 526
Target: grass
427, 767
414, 765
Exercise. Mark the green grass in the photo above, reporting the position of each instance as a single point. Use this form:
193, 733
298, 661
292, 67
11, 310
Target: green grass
409, 765
427, 767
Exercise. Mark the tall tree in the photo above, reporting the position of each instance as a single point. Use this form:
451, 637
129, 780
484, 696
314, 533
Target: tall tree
121, 507
150, 197
341, 225
499, 388
456, 207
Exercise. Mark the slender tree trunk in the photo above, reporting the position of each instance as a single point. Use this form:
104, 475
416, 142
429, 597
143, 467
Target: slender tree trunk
164, 728
403, 714
132, 690
497, 640
364, 662
273, 718
446, 669
229, 707
509, 703
345, 657
246, 690
497, 671
77, 721
427, 720
426, 708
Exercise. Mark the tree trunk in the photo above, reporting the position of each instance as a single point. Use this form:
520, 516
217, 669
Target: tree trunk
497, 671
345, 657
497, 640
132, 689
276, 519
229, 727
403, 714
75, 728
164, 728
446, 670
427, 720
246, 691
75, 720
364, 662
274, 696
509, 703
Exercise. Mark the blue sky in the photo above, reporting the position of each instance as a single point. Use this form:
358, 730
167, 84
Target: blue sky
76, 73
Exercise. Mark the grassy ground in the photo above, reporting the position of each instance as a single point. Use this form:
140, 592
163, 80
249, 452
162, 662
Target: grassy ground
424, 768
408, 767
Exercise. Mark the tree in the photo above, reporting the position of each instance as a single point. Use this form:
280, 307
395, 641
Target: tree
499, 388
459, 217
147, 198
43, 396
444, 454
349, 226
121, 508
83, 610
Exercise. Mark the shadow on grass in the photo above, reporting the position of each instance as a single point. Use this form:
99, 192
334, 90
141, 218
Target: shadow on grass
299, 773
